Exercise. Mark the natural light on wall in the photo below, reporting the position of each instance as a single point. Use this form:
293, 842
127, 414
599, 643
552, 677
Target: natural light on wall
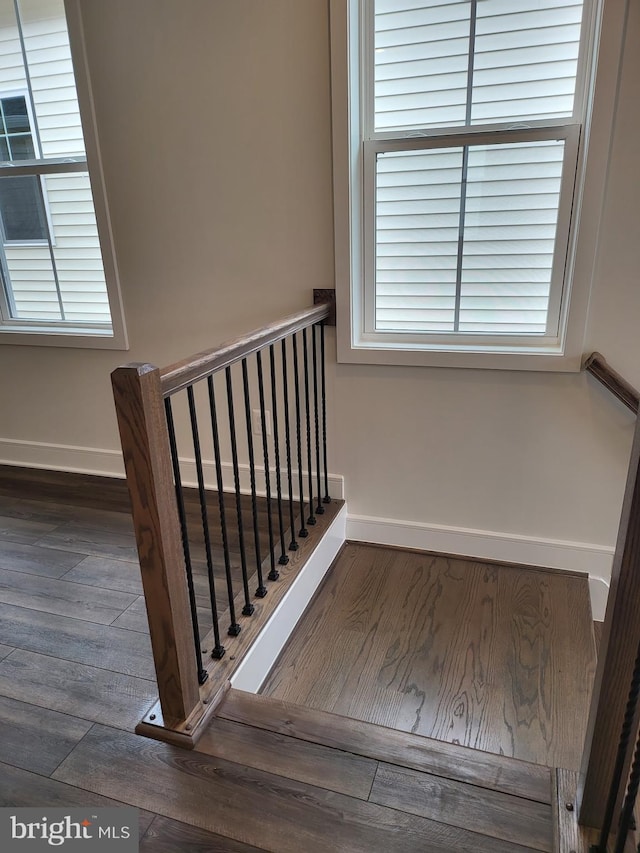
467, 125
51, 260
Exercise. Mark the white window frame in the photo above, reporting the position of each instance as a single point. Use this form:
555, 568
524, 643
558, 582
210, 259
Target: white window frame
353, 218
85, 335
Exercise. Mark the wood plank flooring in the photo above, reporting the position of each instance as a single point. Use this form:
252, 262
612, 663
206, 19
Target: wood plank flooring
490, 656
76, 675
74, 648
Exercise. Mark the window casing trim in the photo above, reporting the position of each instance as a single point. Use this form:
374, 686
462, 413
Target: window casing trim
563, 353
65, 334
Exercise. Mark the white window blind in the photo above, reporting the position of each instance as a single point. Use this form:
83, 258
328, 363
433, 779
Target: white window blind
471, 129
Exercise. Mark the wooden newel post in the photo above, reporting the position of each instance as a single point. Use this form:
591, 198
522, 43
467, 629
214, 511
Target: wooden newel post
145, 447
620, 640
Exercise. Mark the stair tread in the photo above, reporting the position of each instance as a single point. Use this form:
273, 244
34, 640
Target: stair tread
458, 763
265, 810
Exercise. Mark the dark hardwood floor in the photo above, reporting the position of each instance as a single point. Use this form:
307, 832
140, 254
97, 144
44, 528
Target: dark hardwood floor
76, 675
489, 656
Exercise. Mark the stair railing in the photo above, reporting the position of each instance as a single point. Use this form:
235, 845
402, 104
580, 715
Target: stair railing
610, 774
166, 415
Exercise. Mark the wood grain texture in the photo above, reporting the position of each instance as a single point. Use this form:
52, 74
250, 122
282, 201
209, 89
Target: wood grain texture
145, 447
252, 806
22, 530
569, 836
490, 813
598, 366
135, 618
171, 836
107, 574
100, 503
62, 487
312, 763
395, 747
597, 634
220, 671
51, 595
179, 375
36, 738
549, 662
484, 655
83, 642
36, 560
25, 789
620, 641
94, 694
84, 539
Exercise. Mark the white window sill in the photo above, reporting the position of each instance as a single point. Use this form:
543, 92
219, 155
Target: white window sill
42, 335
546, 359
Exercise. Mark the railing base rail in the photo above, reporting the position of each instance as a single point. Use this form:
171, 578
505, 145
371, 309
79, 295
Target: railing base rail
221, 672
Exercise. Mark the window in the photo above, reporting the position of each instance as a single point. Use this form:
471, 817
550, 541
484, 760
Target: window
465, 141
21, 202
58, 281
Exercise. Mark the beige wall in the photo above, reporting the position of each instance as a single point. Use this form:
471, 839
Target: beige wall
214, 122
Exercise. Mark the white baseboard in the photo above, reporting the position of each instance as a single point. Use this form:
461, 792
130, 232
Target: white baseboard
594, 560
61, 457
263, 653
108, 463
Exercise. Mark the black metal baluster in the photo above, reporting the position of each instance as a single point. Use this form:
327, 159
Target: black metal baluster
326, 499
218, 649
284, 559
248, 608
303, 532
626, 818
234, 627
623, 745
293, 545
274, 574
261, 591
311, 520
202, 673
319, 507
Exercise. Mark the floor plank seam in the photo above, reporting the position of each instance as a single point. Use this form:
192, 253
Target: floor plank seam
373, 781
362, 752
91, 726
69, 660
75, 618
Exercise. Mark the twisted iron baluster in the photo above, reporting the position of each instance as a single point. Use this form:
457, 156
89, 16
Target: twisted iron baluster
326, 499
218, 649
311, 520
261, 591
248, 608
234, 627
284, 559
202, 673
303, 532
629, 802
293, 545
623, 745
274, 574
319, 507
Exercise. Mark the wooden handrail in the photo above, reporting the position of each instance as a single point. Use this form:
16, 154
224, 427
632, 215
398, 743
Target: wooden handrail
140, 394
597, 366
177, 376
